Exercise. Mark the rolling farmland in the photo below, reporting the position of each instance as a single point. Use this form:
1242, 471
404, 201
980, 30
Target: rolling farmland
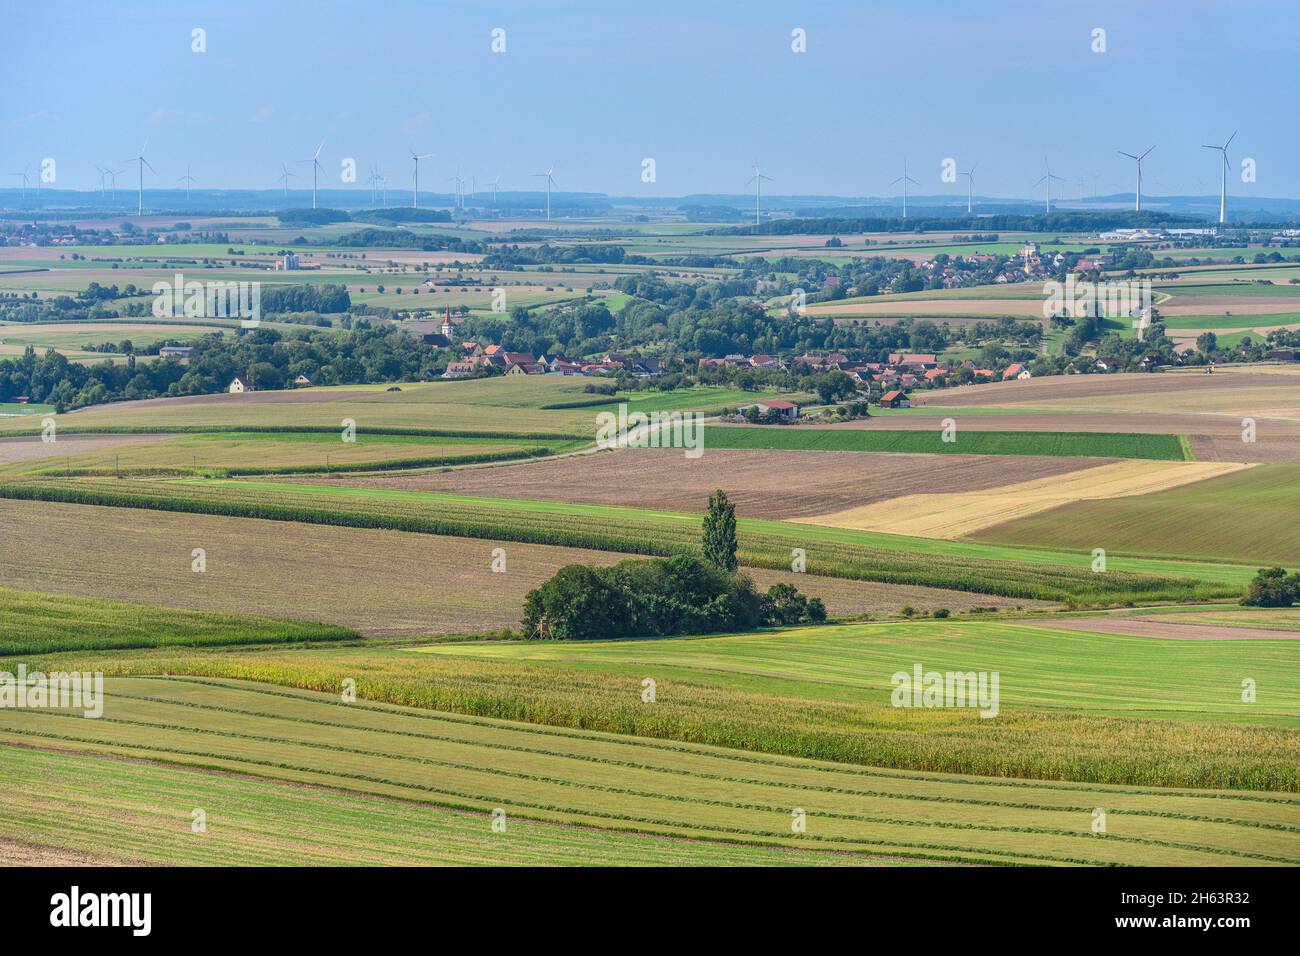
625, 783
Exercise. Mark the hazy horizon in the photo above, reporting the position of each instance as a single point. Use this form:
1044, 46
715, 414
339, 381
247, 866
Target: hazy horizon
999, 86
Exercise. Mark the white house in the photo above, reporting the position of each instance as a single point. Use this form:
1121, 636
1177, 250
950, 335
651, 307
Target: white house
239, 385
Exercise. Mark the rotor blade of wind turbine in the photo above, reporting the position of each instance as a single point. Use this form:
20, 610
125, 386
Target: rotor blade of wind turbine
1230, 139
1146, 154
1122, 153
318, 149
147, 163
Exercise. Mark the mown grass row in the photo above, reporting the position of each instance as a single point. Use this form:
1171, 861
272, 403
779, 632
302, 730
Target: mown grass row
38, 623
648, 533
56, 799
930, 441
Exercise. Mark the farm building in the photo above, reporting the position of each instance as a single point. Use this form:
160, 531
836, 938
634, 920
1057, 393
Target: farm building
181, 352
778, 406
894, 399
1016, 370
301, 381
239, 385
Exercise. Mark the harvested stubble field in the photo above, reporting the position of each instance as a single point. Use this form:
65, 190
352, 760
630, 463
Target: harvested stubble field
1249, 516
763, 484
628, 784
34, 454
763, 544
377, 582
959, 513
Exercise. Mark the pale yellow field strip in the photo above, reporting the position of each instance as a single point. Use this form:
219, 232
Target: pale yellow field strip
955, 514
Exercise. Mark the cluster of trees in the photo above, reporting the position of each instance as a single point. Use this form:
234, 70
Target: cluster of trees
1273, 587
663, 596
266, 357
506, 257
658, 597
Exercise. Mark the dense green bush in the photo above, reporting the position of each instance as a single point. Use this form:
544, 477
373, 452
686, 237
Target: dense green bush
1273, 587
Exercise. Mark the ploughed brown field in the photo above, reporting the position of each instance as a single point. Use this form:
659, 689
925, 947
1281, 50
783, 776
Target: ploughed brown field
763, 484
379, 582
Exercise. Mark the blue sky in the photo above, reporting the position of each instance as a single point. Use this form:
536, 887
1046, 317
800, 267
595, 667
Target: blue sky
703, 88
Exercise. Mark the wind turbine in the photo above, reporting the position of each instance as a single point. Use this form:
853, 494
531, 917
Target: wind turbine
1047, 178
757, 180
140, 187
1223, 187
1137, 197
458, 198
23, 174
112, 178
284, 178
904, 179
315, 166
495, 183
970, 185
103, 176
188, 180
550, 181
415, 178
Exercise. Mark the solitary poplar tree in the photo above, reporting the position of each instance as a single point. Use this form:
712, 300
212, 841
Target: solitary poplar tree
720, 532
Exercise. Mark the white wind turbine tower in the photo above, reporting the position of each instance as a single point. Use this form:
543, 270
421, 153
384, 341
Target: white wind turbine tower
970, 185
315, 167
112, 179
1047, 178
284, 178
458, 197
140, 186
415, 176
550, 181
103, 179
904, 179
757, 180
188, 180
1137, 197
1223, 186
23, 176
495, 183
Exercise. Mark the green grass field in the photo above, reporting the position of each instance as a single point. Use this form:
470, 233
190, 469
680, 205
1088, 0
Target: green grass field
32, 623
624, 784
1084, 444
138, 813
1248, 516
